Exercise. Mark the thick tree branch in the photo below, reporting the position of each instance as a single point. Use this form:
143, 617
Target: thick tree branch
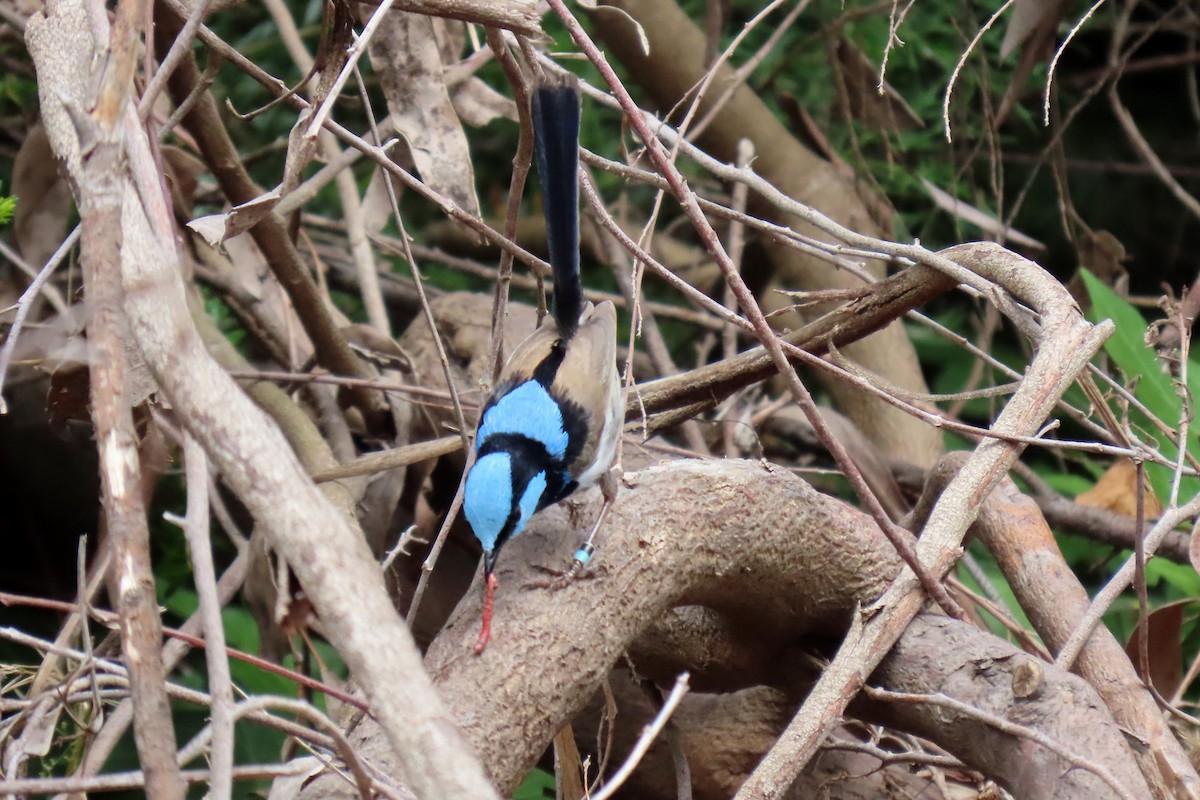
99, 192
774, 563
324, 548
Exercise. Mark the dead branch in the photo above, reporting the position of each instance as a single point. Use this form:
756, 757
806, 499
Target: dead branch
789, 565
1014, 530
99, 192
323, 546
673, 65
270, 233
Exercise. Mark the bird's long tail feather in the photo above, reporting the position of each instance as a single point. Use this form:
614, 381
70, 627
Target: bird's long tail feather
556, 148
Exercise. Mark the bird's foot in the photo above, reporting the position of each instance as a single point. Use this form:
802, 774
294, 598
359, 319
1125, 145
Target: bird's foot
562, 578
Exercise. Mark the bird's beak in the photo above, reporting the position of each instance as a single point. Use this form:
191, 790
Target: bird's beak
489, 561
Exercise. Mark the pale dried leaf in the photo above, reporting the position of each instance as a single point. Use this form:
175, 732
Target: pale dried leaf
981, 219
451, 37
300, 153
638, 30
211, 228
376, 205
43, 199
217, 228
251, 271
405, 54
477, 104
57, 339
1117, 491
60, 348
1027, 16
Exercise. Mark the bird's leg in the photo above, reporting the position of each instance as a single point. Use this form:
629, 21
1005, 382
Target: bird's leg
608, 487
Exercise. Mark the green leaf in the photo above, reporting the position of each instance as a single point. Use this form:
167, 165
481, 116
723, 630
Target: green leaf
538, 785
1180, 577
1152, 387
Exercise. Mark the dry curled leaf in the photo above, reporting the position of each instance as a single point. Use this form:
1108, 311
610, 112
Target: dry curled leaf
407, 56
864, 97
1164, 646
478, 104
216, 228
1117, 491
44, 199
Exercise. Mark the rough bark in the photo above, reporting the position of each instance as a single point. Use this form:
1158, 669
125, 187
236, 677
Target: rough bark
325, 549
773, 561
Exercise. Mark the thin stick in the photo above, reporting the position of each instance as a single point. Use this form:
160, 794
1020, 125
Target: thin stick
52, 293
25, 303
737, 246
180, 635
962, 62
179, 48
220, 686
649, 734
899, 538
1005, 726
1120, 581
1050, 73
352, 57
136, 779
522, 161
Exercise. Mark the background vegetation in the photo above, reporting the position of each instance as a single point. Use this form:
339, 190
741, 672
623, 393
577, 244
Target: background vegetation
1065, 133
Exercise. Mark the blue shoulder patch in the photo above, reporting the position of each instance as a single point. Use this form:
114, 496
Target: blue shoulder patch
527, 410
487, 497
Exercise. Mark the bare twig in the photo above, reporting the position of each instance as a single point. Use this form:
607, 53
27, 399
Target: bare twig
1143, 148
970, 48
196, 528
522, 160
1005, 726
100, 205
51, 292
24, 303
1123, 577
649, 734
1058, 54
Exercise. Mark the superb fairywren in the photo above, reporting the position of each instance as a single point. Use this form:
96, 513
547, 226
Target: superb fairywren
552, 422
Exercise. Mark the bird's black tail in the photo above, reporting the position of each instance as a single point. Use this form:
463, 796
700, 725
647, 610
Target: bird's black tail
556, 146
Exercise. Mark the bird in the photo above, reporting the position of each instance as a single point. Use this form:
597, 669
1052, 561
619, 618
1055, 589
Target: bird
552, 423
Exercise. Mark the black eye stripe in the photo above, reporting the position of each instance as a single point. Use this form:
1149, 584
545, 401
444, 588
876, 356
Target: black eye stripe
527, 458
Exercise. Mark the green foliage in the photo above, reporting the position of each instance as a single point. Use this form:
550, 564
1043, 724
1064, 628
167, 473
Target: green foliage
8, 205
538, 785
1161, 394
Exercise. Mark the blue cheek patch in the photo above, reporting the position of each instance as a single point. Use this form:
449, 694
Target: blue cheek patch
527, 410
487, 497
529, 500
